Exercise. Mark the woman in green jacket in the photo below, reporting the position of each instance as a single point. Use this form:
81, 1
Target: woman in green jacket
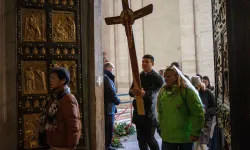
180, 112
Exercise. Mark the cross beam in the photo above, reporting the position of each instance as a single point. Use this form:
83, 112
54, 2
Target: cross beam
127, 19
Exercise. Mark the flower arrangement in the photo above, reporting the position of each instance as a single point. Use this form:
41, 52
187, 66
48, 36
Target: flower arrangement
116, 142
121, 130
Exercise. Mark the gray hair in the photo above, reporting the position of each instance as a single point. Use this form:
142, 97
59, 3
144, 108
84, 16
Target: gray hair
107, 65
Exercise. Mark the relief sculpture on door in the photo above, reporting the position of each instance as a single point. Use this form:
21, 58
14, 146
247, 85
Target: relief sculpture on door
48, 35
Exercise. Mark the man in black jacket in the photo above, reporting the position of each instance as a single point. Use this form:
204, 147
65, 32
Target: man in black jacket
146, 125
110, 101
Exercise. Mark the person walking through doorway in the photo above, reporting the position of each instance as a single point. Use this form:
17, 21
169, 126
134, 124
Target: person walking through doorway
209, 102
180, 112
146, 125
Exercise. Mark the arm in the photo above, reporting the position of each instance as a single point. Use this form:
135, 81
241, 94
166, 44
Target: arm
196, 112
212, 102
211, 109
70, 108
111, 90
153, 91
159, 107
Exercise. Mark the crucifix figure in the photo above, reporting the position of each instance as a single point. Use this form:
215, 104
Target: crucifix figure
127, 19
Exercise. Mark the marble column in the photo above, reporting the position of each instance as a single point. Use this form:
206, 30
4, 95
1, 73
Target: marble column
188, 45
204, 38
95, 75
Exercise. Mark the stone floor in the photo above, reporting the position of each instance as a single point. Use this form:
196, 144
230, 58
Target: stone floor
130, 142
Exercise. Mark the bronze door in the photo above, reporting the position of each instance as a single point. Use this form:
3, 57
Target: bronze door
48, 35
219, 14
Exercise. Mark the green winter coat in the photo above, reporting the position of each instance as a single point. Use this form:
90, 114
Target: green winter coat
180, 115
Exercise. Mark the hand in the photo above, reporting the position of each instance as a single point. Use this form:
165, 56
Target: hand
194, 138
203, 86
142, 93
136, 92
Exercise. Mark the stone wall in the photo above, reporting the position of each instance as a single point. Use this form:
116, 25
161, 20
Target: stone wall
162, 36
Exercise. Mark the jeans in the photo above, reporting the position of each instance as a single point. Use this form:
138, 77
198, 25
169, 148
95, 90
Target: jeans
146, 136
109, 126
177, 146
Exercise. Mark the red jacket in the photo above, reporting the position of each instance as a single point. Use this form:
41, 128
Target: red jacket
68, 131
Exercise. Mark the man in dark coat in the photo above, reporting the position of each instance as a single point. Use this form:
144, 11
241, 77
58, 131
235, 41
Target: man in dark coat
110, 101
146, 125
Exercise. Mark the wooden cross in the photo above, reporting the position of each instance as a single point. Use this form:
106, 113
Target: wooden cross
127, 19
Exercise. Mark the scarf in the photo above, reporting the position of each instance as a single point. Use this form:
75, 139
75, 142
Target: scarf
47, 119
110, 75
171, 90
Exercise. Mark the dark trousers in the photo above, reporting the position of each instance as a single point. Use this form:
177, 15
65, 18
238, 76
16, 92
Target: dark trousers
109, 126
213, 142
177, 146
146, 136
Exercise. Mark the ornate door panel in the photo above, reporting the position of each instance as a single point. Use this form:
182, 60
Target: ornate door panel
48, 35
219, 9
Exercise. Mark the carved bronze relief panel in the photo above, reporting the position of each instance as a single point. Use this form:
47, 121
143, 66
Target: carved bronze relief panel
219, 9
34, 77
30, 126
48, 35
63, 26
34, 25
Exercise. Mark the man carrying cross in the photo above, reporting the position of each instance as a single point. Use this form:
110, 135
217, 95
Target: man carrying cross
146, 125
144, 102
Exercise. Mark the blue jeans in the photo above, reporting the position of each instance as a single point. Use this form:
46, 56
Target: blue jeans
177, 146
